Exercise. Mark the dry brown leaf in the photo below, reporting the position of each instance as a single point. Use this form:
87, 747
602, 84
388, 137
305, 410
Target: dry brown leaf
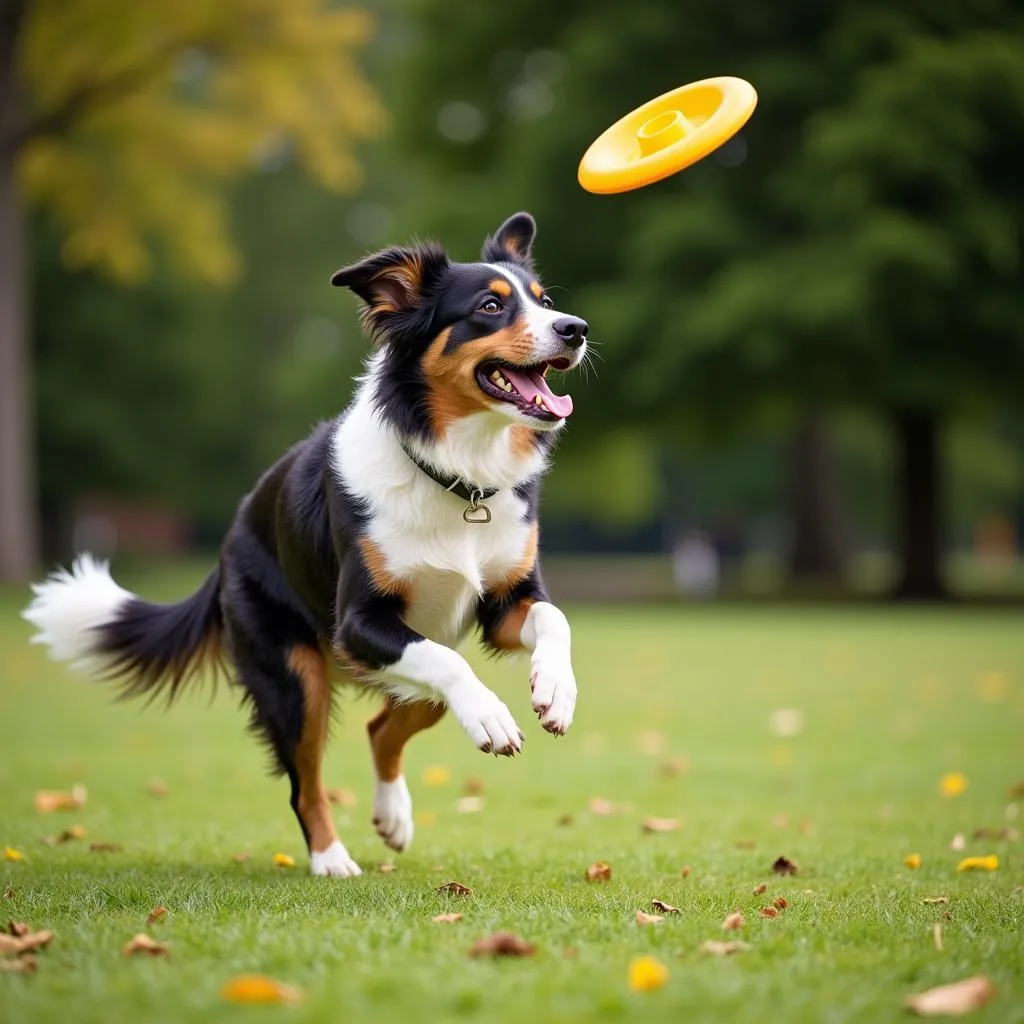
599, 871
734, 921
644, 918
745, 844
662, 825
953, 1000
387, 867
502, 944
17, 928
674, 766
74, 832
469, 804
446, 918
240, 858
723, 948
564, 819
473, 787
453, 889
22, 965
769, 912
760, 890
342, 797
11, 945
1009, 834
687, 871
142, 943
157, 788
1017, 790
781, 903
665, 908
8, 893
106, 847
49, 800
937, 935
784, 866
156, 914
935, 899
257, 988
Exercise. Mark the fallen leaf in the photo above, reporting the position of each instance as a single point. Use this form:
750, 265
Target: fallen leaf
342, 797
989, 863
786, 722
952, 784
10, 853
723, 948
74, 832
1016, 791
453, 889
473, 787
769, 912
8, 893
11, 945
662, 825
1010, 835
105, 847
446, 918
784, 866
760, 890
912, 861
644, 918
734, 922
673, 767
469, 804
687, 871
48, 800
781, 903
665, 908
958, 842
601, 806
564, 819
387, 867
142, 943
745, 844
935, 899
647, 974
156, 914
20, 965
282, 860
599, 871
157, 788
257, 988
240, 858
953, 1000
937, 935
502, 944
437, 775
17, 928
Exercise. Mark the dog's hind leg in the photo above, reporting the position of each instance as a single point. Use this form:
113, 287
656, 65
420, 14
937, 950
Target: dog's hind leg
389, 732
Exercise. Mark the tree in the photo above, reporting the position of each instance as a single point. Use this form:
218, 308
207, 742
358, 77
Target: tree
125, 121
857, 244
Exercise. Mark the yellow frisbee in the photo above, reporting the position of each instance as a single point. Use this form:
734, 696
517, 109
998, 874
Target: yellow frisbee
667, 134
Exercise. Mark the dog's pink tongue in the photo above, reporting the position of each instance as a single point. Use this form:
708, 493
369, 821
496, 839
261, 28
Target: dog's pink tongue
529, 384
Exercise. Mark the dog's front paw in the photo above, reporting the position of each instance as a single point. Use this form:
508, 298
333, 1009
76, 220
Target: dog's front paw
334, 861
392, 813
554, 695
488, 722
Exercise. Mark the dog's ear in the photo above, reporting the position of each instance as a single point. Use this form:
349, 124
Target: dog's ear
512, 242
394, 280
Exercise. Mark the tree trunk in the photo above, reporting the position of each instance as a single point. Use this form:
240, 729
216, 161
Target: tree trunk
815, 506
18, 525
919, 526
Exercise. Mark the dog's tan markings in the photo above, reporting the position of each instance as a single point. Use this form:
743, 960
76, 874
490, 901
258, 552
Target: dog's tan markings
393, 727
507, 634
376, 564
398, 284
308, 665
538, 291
452, 389
522, 568
501, 287
523, 442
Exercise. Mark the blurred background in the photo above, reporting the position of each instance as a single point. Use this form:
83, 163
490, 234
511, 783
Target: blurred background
810, 372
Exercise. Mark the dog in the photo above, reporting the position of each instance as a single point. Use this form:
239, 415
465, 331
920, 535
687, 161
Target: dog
367, 553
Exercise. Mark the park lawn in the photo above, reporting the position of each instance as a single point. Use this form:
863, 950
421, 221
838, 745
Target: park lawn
890, 700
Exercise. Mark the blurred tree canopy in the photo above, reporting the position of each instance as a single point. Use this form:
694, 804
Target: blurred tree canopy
857, 245
125, 122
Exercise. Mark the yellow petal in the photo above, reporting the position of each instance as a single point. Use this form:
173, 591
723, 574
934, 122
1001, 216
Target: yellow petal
282, 860
913, 861
437, 775
952, 783
647, 974
989, 863
12, 854
257, 988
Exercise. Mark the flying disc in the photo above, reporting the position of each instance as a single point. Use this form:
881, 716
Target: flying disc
666, 134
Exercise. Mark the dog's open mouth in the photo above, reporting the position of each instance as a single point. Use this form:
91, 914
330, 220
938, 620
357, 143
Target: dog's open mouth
526, 388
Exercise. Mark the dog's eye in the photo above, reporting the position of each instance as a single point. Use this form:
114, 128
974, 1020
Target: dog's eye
490, 306
547, 303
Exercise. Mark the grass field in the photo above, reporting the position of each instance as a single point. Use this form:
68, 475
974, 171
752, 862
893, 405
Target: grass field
890, 701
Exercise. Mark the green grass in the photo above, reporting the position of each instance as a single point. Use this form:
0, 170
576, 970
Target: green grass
890, 701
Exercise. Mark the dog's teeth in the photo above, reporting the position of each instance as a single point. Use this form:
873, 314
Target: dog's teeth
496, 377
537, 400
507, 386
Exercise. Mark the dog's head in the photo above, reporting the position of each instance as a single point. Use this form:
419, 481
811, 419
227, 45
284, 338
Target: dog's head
460, 339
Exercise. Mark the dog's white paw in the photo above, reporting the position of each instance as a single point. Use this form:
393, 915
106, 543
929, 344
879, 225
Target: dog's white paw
488, 722
392, 813
554, 694
334, 861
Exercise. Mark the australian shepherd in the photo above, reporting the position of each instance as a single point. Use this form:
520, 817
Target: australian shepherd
367, 553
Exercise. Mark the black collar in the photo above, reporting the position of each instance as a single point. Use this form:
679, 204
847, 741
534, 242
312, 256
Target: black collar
472, 493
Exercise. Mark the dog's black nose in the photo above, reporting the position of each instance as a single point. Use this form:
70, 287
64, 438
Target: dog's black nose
572, 330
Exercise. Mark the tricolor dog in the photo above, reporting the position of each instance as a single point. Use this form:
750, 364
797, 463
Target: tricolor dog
369, 551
